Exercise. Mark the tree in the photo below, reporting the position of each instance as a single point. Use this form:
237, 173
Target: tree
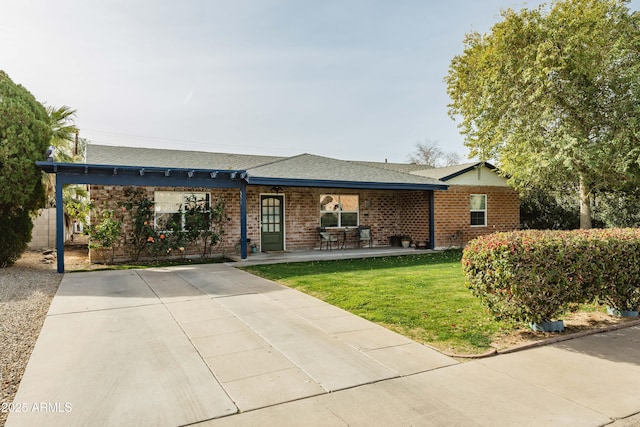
429, 154
68, 148
64, 133
24, 138
553, 95
544, 209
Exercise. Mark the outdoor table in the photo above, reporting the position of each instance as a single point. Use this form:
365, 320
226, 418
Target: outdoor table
344, 235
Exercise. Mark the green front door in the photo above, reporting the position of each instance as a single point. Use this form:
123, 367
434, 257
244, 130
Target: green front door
272, 215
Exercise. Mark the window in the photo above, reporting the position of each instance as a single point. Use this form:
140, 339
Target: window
182, 211
479, 210
339, 210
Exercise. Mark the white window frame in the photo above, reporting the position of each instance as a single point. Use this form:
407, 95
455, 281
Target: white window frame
339, 209
472, 210
184, 195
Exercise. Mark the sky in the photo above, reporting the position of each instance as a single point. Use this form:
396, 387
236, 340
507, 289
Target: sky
349, 79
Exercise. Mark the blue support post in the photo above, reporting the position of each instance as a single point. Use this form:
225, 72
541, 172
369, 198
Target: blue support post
243, 221
432, 225
59, 226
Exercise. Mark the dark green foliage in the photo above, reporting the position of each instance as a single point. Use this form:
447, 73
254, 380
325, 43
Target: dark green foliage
619, 209
199, 227
105, 232
16, 233
543, 210
537, 275
205, 223
139, 209
24, 138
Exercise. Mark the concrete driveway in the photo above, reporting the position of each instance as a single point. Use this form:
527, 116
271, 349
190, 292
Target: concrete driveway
215, 346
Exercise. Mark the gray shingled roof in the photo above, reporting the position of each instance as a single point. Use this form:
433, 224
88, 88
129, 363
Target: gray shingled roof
449, 172
442, 173
312, 167
135, 156
305, 167
398, 167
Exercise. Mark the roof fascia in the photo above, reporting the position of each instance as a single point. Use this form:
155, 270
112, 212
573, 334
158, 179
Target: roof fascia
467, 169
82, 173
251, 180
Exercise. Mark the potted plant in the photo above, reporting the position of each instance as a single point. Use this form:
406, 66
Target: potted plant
405, 241
620, 285
622, 298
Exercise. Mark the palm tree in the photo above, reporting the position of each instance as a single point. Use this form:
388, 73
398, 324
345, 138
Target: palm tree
68, 148
64, 133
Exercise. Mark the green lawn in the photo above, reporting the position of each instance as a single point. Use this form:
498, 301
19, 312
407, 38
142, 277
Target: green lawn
420, 296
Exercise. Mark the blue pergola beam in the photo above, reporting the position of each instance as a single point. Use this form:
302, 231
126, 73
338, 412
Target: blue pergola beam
80, 173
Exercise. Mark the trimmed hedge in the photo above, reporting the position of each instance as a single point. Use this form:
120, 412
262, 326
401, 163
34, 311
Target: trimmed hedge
537, 275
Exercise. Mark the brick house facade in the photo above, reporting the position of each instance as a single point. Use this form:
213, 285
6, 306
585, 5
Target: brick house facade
452, 228
439, 207
387, 212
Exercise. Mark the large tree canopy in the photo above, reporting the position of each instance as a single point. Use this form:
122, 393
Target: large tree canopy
24, 138
553, 95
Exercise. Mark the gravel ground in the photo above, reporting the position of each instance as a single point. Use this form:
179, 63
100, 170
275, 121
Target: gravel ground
26, 291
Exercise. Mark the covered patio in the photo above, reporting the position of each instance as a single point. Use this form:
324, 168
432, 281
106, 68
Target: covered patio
119, 175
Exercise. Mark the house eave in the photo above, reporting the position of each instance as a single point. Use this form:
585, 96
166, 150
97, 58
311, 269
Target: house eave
86, 173
470, 168
290, 182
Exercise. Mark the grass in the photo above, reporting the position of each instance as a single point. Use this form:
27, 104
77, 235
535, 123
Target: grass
420, 296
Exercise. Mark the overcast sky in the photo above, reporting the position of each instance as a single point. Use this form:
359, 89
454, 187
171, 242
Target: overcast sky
351, 79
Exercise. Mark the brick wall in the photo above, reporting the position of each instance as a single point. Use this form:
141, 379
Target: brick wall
109, 197
452, 213
386, 212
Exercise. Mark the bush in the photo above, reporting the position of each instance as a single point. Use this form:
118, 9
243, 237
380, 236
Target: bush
104, 233
196, 225
16, 233
542, 209
620, 269
24, 138
537, 275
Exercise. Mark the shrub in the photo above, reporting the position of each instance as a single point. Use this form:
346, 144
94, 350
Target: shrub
203, 226
537, 275
16, 233
139, 210
104, 233
542, 209
620, 269
24, 138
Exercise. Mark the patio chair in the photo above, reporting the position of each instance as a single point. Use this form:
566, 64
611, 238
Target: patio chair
364, 235
326, 238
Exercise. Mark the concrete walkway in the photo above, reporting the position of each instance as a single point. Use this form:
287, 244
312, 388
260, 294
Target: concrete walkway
211, 345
